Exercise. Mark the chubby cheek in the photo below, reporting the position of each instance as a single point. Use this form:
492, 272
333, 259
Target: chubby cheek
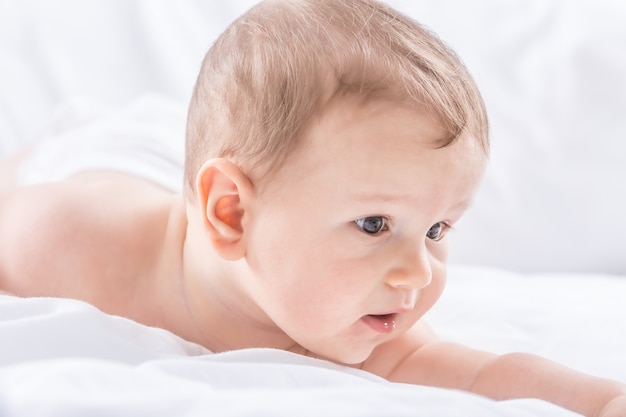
429, 295
305, 280
433, 292
278, 258
439, 264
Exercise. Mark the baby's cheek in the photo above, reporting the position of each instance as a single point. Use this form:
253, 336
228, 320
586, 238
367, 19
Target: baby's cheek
430, 294
440, 251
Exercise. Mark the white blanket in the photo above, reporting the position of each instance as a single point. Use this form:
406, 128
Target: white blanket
65, 358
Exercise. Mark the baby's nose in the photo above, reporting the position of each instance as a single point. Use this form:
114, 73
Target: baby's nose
414, 272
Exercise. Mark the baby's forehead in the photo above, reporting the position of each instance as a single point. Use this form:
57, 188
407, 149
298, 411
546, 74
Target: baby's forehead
387, 123
344, 126
390, 111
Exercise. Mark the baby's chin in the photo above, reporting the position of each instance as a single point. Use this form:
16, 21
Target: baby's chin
353, 358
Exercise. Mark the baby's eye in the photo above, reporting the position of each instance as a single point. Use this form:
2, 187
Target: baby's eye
437, 231
372, 225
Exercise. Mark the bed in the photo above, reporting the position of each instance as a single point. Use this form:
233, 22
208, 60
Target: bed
538, 263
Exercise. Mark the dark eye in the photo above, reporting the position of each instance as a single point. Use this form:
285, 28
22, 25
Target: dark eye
437, 231
372, 225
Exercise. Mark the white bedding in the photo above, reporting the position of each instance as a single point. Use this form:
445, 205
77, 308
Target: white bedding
553, 75
65, 358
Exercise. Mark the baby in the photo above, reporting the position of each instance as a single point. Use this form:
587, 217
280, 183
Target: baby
331, 145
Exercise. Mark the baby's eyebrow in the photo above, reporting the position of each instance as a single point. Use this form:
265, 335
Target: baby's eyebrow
462, 204
381, 197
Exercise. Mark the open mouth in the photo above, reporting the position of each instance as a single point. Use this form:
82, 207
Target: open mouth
382, 323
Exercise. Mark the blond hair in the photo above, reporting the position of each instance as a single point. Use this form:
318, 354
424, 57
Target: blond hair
276, 67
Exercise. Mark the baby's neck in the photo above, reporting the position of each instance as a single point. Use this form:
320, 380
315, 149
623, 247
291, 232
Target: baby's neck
219, 314
164, 297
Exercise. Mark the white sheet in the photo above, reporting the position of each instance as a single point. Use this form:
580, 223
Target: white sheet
65, 358
143, 138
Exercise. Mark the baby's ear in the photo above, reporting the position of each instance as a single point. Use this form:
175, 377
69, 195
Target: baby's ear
224, 192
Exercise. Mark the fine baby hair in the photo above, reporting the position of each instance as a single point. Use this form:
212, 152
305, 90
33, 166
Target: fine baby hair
276, 67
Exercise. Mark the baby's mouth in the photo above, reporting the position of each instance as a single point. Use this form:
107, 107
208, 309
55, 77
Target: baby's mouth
382, 323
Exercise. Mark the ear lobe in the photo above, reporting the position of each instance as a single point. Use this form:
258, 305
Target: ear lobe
223, 191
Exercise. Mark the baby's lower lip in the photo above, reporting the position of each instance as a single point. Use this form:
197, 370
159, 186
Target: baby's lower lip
384, 323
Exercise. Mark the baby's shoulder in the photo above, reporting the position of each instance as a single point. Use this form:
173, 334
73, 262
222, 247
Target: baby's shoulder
386, 358
62, 238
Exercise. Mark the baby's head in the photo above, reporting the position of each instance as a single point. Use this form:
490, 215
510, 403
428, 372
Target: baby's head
278, 66
331, 144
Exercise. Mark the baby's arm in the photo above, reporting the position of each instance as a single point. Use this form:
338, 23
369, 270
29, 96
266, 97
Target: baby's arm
510, 376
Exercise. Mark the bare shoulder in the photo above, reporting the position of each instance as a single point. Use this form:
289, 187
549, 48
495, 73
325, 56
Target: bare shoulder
420, 357
82, 238
387, 357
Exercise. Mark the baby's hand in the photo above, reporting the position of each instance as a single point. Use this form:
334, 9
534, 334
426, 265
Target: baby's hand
615, 408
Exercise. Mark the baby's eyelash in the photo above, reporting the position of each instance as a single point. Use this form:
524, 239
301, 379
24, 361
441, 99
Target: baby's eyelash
373, 225
438, 231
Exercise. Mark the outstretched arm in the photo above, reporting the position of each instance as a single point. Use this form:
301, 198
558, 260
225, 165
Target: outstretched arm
510, 376
519, 375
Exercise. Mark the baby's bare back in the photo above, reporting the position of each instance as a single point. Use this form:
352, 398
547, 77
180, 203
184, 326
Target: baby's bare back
95, 237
